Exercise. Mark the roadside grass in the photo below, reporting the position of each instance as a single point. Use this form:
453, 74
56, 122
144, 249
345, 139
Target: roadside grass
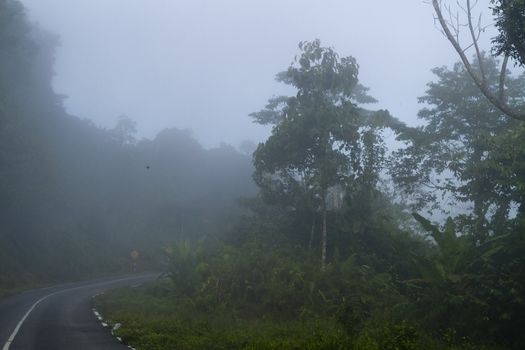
152, 317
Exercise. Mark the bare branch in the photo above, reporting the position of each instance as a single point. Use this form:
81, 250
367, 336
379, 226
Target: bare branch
453, 21
475, 42
479, 26
479, 81
468, 47
461, 7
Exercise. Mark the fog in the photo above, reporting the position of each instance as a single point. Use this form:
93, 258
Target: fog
205, 65
232, 151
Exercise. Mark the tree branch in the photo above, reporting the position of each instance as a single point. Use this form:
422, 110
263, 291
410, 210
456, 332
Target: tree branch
475, 42
480, 83
502, 77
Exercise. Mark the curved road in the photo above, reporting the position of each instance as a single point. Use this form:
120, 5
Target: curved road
60, 318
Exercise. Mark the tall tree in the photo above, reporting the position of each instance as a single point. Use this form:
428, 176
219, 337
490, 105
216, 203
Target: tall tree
320, 137
459, 151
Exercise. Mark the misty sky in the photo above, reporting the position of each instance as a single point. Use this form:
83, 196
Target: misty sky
207, 64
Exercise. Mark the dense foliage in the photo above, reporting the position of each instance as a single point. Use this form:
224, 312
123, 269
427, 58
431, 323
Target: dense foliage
387, 284
457, 153
321, 142
510, 21
76, 199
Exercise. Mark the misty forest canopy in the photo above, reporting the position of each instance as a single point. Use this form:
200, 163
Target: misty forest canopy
321, 240
329, 258
76, 199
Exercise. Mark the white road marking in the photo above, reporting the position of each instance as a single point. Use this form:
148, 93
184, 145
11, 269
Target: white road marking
22, 320
17, 328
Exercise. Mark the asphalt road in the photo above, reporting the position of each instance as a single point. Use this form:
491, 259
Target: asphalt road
61, 317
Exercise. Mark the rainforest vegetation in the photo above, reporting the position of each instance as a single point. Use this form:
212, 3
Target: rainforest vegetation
75, 199
345, 229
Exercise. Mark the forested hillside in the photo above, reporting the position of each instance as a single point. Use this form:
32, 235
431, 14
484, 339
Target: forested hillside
75, 199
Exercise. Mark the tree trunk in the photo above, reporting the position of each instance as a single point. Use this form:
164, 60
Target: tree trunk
312, 232
324, 236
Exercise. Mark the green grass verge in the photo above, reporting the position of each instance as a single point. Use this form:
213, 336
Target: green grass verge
154, 318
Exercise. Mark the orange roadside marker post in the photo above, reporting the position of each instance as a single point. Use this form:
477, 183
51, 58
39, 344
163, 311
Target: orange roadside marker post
134, 255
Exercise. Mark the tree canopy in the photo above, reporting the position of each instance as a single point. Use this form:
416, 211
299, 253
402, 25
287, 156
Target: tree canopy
510, 21
321, 138
455, 153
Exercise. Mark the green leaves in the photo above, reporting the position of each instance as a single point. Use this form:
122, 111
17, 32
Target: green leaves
321, 140
319, 70
320, 137
182, 269
274, 112
427, 225
458, 153
510, 21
